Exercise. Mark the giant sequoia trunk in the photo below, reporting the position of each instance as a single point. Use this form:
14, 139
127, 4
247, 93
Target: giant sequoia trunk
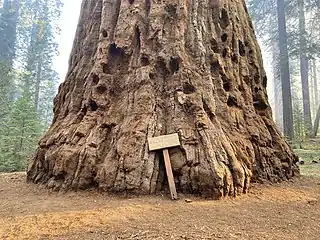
145, 68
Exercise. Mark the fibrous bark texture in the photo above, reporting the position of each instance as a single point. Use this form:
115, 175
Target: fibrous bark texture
147, 68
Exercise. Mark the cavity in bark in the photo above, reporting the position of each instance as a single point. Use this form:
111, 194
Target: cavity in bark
234, 58
226, 83
225, 52
104, 33
93, 105
148, 7
171, 10
232, 101
161, 67
224, 37
242, 50
101, 89
214, 46
188, 88
224, 19
144, 60
174, 64
95, 79
215, 66
137, 39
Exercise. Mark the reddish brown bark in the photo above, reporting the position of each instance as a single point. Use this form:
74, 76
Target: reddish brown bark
145, 68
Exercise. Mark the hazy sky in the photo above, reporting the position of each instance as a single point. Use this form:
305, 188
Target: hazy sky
68, 24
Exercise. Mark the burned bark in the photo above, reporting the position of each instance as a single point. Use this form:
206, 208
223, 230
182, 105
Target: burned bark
140, 69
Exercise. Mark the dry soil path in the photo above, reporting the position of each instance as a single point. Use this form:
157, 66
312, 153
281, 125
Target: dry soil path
288, 210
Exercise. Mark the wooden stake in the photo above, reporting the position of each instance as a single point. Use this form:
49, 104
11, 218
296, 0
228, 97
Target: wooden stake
167, 164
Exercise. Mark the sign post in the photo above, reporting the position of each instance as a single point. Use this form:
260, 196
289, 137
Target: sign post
163, 143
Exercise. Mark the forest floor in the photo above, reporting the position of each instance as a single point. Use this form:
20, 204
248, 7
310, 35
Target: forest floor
289, 210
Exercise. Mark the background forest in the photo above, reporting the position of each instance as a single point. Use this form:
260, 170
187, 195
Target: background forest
289, 34
28, 82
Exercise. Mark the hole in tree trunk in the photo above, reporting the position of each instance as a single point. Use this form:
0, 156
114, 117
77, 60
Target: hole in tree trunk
131, 1
161, 67
137, 39
226, 83
144, 60
242, 50
101, 89
152, 76
260, 105
148, 7
117, 60
174, 64
224, 19
115, 51
214, 46
215, 66
259, 102
234, 58
60, 176
188, 88
93, 105
225, 52
95, 79
232, 101
224, 37
108, 125
104, 33
171, 9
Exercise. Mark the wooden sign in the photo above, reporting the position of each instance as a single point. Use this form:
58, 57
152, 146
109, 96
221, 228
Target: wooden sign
164, 142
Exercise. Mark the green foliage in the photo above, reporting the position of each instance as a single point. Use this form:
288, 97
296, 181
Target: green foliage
310, 154
28, 85
19, 135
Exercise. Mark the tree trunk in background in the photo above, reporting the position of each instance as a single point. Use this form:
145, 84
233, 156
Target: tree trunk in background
304, 70
37, 85
140, 69
8, 27
316, 123
285, 72
315, 83
278, 110
32, 57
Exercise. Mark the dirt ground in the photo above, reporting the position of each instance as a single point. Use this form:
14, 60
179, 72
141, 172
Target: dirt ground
289, 210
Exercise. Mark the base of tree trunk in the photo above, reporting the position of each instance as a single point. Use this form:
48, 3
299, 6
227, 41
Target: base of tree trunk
138, 71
